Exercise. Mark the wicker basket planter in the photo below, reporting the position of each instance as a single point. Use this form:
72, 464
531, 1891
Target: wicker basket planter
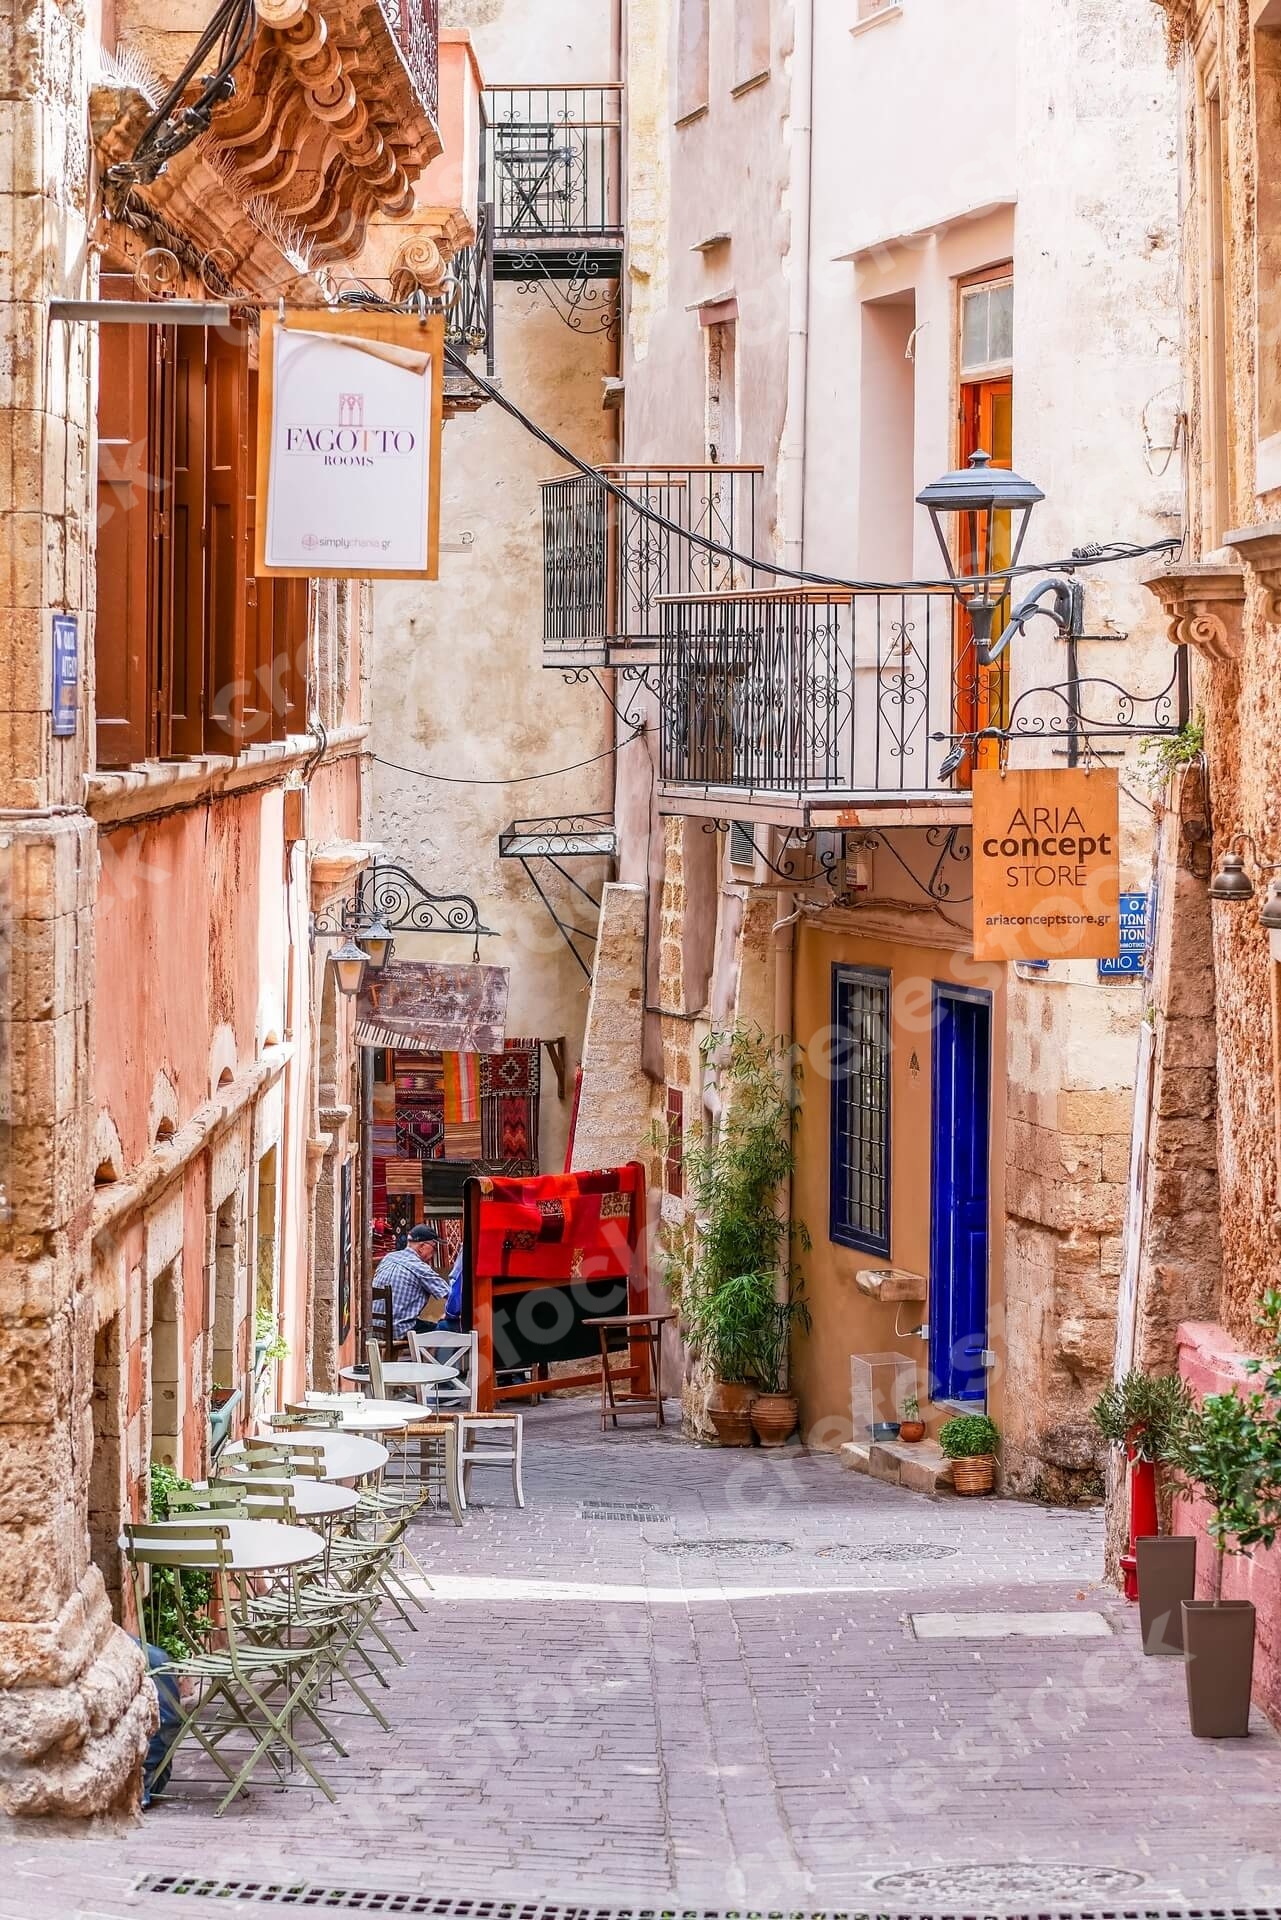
974, 1475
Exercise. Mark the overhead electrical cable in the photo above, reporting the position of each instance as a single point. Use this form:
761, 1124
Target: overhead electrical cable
512, 780
1093, 556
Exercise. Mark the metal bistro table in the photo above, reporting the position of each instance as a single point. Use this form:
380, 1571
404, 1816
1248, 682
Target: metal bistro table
312, 1499
370, 1416
343, 1456
648, 1329
255, 1546
406, 1373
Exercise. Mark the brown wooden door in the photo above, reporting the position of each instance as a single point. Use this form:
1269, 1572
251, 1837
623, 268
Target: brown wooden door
123, 648
227, 558
182, 592
982, 693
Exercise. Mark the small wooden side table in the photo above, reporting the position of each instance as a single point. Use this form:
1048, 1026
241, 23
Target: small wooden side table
646, 1327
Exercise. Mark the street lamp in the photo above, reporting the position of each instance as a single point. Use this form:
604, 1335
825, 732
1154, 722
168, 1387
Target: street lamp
349, 962
1231, 880
974, 495
375, 941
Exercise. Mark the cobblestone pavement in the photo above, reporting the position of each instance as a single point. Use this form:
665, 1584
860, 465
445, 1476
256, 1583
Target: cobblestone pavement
720, 1698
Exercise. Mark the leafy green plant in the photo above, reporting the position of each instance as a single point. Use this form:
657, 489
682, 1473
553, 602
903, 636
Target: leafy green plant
1144, 1412
724, 1270
168, 1603
967, 1436
1161, 756
1229, 1451
270, 1344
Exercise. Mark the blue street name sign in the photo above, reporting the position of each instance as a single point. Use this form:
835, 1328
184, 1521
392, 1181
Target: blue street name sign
66, 673
1130, 963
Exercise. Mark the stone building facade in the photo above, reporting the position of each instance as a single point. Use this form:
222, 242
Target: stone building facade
1204, 1237
177, 1068
838, 387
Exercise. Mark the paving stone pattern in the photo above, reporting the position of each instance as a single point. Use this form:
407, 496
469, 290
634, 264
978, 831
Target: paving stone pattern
590, 1715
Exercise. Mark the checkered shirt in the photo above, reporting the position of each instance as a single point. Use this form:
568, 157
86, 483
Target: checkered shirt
412, 1284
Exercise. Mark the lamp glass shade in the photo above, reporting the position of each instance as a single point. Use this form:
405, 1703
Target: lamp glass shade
376, 943
1270, 912
1231, 881
974, 495
349, 963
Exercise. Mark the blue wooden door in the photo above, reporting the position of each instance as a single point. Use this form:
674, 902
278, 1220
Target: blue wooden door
959, 1194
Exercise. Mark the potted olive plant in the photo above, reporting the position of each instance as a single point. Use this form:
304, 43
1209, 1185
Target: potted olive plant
1144, 1414
1229, 1451
969, 1440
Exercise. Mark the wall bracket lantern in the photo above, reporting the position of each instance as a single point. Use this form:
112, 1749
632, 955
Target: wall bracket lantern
1231, 883
389, 900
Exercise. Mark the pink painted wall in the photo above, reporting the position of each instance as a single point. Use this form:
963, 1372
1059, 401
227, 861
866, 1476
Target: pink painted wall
453, 178
1212, 1362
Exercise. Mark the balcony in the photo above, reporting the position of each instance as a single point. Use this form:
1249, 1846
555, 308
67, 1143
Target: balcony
607, 565
415, 27
809, 706
552, 166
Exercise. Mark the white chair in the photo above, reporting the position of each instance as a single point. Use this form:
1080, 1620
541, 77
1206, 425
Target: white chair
484, 1439
457, 1350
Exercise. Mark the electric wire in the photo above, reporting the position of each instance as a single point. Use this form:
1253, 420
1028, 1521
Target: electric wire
1092, 556
513, 780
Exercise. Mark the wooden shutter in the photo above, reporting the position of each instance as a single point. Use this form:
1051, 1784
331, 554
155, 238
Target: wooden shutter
266, 697
182, 558
293, 614
123, 653
227, 558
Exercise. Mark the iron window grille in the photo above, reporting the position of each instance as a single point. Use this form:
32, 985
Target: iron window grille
860, 1170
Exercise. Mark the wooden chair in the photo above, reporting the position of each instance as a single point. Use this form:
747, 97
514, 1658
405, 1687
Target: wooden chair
484, 1439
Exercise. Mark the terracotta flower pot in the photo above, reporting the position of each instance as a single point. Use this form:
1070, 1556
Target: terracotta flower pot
774, 1417
729, 1409
973, 1475
1218, 1644
912, 1431
1167, 1577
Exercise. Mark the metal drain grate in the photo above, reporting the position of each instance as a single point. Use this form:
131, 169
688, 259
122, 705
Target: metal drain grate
897, 1552
426, 1906
726, 1549
1010, 1880
635, 1511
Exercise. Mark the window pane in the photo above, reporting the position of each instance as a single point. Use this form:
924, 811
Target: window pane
974, 325
860, 1196
1000, 329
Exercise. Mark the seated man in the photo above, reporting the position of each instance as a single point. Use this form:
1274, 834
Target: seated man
414, 1282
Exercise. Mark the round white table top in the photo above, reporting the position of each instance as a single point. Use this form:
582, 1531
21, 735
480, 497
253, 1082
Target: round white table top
258, 1546
369, 1416
406, 1373
344, 1456
313, 1499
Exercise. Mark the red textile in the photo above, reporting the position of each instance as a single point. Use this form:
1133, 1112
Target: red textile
560, 1226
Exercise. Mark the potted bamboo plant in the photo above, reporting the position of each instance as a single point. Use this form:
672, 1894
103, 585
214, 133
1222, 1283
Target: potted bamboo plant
774, 1410
1229, 1451
723, 1272
969, 1440
1144, 1414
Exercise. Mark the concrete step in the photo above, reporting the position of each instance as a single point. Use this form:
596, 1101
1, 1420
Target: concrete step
921, 1467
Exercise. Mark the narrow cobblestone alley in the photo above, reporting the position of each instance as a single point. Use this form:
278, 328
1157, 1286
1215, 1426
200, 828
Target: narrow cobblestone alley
678, 1658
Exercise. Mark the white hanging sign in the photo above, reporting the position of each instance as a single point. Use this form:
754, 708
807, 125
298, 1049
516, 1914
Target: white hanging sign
349, 417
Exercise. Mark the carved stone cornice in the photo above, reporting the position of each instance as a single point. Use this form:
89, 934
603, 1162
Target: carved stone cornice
1203, 605
1260, 548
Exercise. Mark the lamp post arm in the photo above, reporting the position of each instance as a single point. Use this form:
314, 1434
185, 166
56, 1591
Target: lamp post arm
1060, 613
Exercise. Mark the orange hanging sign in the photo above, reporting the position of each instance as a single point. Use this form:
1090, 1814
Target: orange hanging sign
1047, 876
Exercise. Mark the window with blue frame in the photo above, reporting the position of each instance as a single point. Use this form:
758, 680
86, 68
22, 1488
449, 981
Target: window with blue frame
860, 1190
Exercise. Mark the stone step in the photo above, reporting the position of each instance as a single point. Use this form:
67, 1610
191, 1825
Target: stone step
921, 1467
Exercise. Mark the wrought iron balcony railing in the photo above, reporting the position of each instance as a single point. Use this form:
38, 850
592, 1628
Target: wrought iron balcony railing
607, 565
415, 26
552, 166
469, 324
808, 694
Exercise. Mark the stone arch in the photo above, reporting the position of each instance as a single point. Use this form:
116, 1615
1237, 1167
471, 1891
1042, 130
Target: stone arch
108, 1154
162, 1113
222, 1057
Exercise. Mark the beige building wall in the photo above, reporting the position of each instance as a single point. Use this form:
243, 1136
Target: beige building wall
461, 688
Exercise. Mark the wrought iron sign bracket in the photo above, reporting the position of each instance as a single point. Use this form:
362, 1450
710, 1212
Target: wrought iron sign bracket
389, 900
573, 836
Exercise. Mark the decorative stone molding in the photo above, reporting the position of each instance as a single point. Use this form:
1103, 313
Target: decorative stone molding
1260, 548
1203, 605
334, 867
418, 265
